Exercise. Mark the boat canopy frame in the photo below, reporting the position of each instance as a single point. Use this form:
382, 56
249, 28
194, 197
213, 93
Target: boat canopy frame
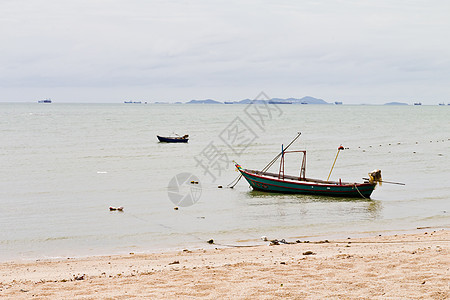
302, 175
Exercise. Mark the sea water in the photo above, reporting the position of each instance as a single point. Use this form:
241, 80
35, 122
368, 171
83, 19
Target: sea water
64, 165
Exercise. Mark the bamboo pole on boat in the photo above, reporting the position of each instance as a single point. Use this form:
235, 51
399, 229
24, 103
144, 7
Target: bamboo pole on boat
279, 154
339, 150
234, 182
390, 182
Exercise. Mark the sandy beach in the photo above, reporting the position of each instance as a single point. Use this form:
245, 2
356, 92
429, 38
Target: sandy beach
403, 266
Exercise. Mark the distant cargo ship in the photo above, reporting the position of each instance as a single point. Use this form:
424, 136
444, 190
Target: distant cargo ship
45, 101
338, 102
417, 103
228, 102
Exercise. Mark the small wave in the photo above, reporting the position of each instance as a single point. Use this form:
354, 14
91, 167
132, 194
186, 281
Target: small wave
57, 238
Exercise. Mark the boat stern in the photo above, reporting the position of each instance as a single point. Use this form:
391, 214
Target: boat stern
375, 177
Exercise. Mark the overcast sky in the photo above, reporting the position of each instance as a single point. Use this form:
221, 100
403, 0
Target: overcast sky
110, 50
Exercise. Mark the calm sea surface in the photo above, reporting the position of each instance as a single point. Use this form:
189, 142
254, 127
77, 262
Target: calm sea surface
63, 165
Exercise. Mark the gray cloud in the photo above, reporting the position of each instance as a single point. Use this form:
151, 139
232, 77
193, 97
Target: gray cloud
179, 50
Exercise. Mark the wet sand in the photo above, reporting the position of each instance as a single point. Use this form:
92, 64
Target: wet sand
405, 266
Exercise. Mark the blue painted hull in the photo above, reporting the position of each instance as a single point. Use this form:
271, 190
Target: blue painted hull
163, 139
270, 183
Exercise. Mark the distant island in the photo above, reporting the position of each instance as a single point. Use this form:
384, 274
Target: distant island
282, 101
304, 100
207, 101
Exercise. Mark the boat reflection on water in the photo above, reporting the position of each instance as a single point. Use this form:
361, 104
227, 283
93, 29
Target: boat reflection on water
303, 198
300, 204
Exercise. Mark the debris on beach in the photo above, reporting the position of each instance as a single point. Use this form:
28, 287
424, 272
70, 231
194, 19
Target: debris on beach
79, 277
112, 208
282, 241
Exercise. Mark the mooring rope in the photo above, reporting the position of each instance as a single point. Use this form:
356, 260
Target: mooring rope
231, 185
359, 191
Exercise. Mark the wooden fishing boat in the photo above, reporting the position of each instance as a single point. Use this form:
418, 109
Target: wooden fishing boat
178, 139
272, 182
281, 183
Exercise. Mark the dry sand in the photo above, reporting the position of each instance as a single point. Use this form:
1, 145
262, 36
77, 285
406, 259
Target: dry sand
413, 266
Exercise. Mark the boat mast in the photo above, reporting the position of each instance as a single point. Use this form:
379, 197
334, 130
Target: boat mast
281, 164
303, 168
279, 154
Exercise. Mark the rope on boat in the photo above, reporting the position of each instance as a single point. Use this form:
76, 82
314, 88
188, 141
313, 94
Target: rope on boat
360, 192
231, 185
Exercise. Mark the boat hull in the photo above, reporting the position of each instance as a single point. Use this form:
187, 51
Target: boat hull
163, 139
274, 185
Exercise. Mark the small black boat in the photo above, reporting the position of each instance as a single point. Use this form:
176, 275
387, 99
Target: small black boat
178, 139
